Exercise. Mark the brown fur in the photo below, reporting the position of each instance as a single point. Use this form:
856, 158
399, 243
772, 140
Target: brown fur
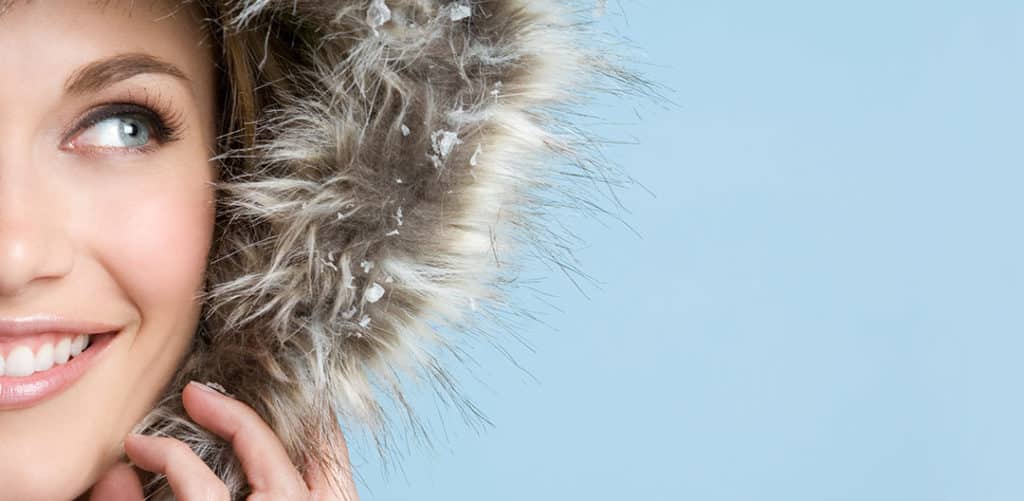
413, 160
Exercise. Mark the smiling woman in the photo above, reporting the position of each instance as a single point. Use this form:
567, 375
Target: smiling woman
283, 198
106, 221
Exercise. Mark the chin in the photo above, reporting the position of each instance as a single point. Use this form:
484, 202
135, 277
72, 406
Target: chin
57, 448
44, 476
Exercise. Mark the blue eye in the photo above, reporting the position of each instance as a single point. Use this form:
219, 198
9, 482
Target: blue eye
125, 126
120, 131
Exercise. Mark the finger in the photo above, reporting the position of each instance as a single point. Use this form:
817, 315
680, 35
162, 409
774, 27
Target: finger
319, 485
267, 466
188, 476
120, 483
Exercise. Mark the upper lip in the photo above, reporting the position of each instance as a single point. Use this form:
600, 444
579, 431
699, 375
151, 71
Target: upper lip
39, 324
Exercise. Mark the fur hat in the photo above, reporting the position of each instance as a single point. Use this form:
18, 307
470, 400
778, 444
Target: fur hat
399, 156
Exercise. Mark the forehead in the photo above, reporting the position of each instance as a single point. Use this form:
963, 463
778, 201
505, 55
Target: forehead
124, 5
48, 37
190, 11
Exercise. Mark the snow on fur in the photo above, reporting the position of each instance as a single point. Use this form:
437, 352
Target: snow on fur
450, 120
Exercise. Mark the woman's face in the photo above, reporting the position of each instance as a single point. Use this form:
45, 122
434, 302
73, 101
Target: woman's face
106, 216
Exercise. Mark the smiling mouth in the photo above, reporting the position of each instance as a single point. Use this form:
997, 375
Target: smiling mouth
28, 356
20, 388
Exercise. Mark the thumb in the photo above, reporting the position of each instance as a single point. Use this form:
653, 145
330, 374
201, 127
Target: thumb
119, 483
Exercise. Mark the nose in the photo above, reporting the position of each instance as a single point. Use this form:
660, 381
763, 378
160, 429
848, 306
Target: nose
26, 255
32, 243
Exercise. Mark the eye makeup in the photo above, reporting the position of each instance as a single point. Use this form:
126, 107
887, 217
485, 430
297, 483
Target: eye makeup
165, 124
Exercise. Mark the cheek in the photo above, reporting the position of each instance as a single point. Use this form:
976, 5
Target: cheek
149, 231
153, 235
150, 234
141, 238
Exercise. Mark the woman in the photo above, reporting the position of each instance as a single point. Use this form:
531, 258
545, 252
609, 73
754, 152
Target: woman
283, 199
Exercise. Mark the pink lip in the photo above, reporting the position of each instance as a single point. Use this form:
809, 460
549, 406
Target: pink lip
38, 324
22, 392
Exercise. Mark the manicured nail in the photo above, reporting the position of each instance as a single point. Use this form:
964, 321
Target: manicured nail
137, 437
212, 388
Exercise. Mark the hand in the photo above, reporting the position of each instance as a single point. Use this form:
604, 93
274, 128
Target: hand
266, 464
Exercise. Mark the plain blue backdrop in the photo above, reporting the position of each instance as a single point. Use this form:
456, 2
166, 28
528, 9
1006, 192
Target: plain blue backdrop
825, 302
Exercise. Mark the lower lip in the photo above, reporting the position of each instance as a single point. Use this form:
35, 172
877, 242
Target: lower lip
22, 392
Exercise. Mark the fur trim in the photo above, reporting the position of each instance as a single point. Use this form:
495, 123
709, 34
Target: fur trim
406, 151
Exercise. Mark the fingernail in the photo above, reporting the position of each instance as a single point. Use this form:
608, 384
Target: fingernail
212, 388
131, 436
140, 440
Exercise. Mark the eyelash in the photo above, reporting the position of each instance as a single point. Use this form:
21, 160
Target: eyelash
165, 123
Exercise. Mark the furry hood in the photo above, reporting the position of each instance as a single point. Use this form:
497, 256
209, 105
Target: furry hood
403, 154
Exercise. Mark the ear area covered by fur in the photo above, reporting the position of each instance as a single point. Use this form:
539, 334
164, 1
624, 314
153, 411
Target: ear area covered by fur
404, 159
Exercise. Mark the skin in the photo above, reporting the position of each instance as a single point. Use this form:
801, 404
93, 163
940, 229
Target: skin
92, 230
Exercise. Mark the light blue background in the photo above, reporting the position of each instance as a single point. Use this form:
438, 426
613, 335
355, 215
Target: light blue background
825, 303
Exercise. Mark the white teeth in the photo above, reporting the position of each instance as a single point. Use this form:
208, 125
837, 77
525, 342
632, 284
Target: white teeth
62, 351
44, 357
20, 362
78, 344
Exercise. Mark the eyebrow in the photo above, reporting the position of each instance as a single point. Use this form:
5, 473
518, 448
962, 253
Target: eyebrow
105, 72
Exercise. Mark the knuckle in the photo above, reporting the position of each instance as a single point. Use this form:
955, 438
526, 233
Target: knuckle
244, 419
215, 491
293, 492
214, 494
178, 449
